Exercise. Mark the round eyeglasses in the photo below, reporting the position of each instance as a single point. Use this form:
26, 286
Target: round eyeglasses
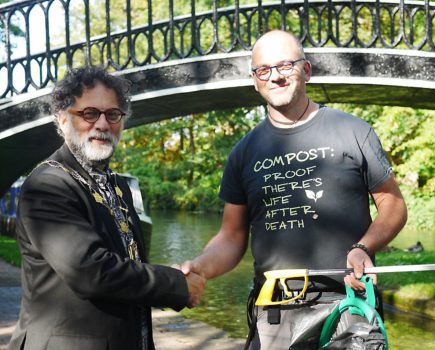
284, 68
92, 114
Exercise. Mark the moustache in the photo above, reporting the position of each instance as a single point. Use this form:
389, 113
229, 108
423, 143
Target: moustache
102, 136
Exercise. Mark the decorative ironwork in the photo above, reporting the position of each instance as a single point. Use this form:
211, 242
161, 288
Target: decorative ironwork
39, 39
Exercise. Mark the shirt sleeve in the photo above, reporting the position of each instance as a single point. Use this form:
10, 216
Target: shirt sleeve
378, 168
231, 189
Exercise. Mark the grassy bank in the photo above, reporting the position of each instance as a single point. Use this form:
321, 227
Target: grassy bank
404, 280
9, 251
412, 291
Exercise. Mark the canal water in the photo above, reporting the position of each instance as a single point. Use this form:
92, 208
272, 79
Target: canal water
179, 236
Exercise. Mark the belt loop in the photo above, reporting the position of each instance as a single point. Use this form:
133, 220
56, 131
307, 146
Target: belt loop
273, 314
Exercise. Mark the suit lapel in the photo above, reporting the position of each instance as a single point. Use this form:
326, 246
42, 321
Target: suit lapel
110, 230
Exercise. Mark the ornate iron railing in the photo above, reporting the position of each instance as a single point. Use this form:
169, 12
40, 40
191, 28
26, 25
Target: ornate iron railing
39, 39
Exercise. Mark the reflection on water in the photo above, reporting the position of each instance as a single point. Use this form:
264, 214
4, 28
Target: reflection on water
407, 331
179, 236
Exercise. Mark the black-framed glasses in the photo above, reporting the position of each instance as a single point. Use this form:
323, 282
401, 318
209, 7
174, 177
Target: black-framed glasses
284, 68
92, 114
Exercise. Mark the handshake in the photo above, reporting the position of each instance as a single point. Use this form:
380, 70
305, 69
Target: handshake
196, 282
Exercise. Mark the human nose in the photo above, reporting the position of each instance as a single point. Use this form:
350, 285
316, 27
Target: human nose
275, 74
102, 122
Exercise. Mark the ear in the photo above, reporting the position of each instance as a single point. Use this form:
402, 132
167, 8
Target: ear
307, 70
255, 82
62, 120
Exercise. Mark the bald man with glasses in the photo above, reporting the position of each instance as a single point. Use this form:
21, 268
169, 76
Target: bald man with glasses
298, 186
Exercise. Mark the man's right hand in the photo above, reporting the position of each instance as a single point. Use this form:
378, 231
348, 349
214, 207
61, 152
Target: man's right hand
196, 285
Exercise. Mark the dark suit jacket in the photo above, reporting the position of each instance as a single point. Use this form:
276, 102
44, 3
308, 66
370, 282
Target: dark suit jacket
79, 288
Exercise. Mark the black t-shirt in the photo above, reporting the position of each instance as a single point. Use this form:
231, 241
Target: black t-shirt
306, 189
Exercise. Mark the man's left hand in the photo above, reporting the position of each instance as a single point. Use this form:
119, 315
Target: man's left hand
358, 260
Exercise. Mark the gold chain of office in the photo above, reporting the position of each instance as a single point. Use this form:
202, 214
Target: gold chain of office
122, 223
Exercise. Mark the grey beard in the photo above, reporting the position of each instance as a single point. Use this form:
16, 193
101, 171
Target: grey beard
78, 153
82, 148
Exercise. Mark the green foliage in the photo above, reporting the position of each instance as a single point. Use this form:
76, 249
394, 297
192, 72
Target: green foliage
14, 28
396, 280
9, 251
424, 290
421, 206
179, 162
409, 137
202, 197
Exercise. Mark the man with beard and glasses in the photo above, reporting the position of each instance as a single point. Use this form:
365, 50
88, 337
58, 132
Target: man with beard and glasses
297, 187
86, 282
